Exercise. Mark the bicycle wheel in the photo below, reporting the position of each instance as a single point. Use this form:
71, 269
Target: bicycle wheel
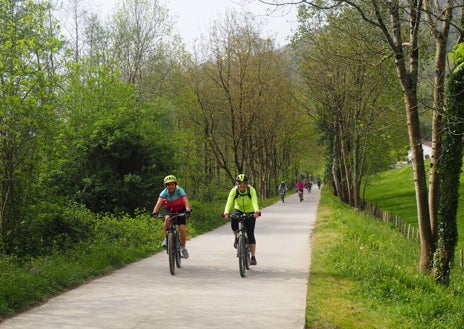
248, 254
241, 255
171, 253
178, 251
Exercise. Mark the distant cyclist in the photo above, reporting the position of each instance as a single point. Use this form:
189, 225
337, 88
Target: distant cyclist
282, 190
299, 188
174, 199
243, 199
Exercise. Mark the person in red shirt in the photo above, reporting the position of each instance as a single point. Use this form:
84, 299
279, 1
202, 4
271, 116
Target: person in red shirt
174, 199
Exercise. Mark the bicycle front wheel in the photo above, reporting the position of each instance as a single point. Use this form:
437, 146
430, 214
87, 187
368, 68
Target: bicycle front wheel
172, 253
241, 255
248, 255
178, 251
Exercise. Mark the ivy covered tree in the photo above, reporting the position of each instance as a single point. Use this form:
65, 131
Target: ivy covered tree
450, 170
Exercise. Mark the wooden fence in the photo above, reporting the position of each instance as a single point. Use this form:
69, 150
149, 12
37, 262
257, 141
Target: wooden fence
408, 230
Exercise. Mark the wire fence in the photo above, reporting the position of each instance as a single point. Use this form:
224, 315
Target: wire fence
408, 230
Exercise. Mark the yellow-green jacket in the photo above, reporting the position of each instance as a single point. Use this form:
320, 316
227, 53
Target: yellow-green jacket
246, 202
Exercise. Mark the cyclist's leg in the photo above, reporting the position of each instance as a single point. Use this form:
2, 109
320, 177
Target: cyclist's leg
234, 225
181, 224
166, 225
165, 231
250, 226
183, 235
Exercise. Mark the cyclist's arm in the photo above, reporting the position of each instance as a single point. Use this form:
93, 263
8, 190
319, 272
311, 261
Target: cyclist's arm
254, 199
230, 201
158, 205
187, 203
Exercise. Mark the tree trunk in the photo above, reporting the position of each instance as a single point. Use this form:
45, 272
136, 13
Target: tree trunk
450, 172
420, 183
440, 31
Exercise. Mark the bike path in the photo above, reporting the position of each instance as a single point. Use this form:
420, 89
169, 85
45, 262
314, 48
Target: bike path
207, 292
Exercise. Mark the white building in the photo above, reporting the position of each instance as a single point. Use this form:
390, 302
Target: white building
426, 148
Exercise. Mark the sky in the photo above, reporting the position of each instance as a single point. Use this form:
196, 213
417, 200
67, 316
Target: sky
193, 17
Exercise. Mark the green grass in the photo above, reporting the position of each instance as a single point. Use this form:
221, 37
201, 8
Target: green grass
393, 191
364, 275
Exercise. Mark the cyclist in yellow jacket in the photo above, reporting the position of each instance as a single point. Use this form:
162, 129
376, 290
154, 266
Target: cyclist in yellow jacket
243, 199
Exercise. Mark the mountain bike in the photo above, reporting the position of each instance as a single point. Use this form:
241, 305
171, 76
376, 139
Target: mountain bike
282, 195
173, 242
243, 248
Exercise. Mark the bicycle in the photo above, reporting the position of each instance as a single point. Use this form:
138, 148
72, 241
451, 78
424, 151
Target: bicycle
173, 248
243, 248
282, 195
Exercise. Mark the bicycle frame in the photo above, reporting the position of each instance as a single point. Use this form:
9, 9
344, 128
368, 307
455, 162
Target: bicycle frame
243, 247
173, 246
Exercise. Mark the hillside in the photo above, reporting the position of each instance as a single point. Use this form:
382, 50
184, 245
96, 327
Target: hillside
393, 190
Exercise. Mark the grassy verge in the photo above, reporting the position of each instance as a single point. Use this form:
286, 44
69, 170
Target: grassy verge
364, 275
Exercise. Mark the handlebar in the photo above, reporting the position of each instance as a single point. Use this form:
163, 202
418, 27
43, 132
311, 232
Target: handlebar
171, 214
242, 216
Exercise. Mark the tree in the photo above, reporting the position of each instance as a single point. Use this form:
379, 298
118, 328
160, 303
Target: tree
450, 170
347, 88
242, 85
28, 46
140, 28
400, 23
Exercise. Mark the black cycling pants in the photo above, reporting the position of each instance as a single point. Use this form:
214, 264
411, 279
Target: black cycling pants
249, 224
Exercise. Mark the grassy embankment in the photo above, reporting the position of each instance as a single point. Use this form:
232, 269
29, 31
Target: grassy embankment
364, 272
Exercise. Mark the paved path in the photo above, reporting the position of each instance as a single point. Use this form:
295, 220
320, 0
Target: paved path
207, 292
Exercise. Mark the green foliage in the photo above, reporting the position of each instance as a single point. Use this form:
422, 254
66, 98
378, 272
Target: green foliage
28, 97
457, 56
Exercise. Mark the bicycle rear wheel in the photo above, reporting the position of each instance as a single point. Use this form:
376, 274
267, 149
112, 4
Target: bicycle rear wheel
178, 251
241, 255
171, 253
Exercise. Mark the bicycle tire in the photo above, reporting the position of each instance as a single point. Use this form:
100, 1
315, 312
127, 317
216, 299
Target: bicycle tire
241, 255
171, 253
248, 254
178, 251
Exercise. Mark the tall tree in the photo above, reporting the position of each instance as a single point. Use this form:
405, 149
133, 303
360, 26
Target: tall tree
348, 89
140, 28
28, 46
400, 23
450, 170
242, 84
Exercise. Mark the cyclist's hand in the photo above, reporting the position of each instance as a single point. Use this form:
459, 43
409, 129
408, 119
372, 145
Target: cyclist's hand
225, 216
154, 214
257, 214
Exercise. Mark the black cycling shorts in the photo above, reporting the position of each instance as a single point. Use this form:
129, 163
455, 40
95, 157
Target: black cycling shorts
249, 224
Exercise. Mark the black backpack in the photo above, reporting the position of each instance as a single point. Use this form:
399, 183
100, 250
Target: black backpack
237, 193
